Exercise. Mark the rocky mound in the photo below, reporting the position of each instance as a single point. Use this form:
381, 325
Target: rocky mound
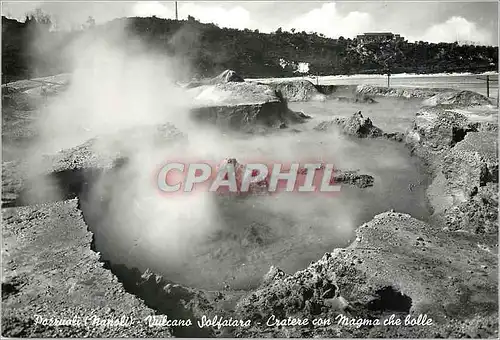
470, 170
360, 127
338, 176
225, 77
297, 90
462, 152
233, 94
242, 106
228, 76
458, 98
356, 125
353, 178
398, 92
437, 129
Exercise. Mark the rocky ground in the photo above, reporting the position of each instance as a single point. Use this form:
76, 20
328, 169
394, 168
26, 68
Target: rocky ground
397, 265
446, 269
50, 270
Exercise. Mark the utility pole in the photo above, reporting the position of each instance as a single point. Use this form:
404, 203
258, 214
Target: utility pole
388, 76
176, 12
488, 86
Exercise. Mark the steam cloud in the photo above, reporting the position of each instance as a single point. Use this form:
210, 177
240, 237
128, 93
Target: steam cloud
120, 89
457, 29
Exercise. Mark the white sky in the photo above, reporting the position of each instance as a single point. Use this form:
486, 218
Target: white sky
424, 20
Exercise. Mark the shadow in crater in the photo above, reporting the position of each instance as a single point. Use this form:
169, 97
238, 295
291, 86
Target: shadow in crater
152, 289
390, 300
67, 183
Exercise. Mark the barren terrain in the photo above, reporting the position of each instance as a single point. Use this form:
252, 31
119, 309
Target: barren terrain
83, 235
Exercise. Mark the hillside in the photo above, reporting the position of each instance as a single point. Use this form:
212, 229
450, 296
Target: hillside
210, 50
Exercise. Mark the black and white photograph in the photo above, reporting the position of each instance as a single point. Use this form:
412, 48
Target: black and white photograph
250, 169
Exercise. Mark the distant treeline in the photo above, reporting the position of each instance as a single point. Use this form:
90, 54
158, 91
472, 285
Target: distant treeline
210, 49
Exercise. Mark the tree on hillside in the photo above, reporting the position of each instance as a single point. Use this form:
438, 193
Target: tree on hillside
38, 17
90, 23
382, 54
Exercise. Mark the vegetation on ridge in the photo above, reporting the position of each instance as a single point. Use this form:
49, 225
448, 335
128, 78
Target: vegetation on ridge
210, 49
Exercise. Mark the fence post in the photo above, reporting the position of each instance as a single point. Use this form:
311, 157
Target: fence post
488, 86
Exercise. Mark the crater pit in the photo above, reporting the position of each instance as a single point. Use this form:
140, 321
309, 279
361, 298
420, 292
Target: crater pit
212, 242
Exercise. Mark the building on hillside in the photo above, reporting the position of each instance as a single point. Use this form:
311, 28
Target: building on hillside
378, 37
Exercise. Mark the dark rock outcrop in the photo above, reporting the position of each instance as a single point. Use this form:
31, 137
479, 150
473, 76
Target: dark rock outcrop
337, 177
361, 127
358, 99
356, 125
337, 90
353, 178
394, 136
